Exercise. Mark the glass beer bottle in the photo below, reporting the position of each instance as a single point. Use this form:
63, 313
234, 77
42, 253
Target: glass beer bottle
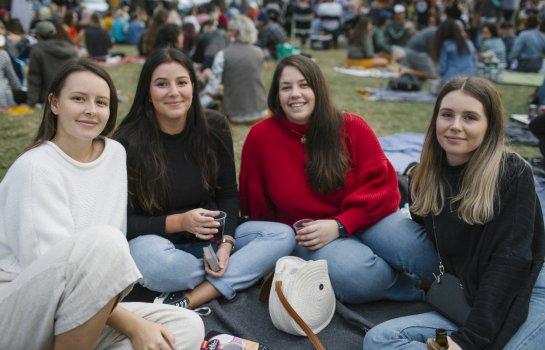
441, 338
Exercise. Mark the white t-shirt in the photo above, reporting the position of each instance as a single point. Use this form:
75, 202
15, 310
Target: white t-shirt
46, 196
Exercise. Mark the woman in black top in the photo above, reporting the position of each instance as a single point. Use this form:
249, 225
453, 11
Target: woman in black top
181, 173
478, 199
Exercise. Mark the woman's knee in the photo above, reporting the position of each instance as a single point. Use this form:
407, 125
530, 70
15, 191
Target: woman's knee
144, 247
281, 234
376, 337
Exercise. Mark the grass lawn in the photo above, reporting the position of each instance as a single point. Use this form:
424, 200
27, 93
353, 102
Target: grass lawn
385, 117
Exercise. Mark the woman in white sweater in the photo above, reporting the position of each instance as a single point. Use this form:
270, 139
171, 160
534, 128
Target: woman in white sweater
64, 260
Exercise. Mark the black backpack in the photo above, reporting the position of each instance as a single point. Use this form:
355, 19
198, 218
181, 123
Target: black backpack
405, 82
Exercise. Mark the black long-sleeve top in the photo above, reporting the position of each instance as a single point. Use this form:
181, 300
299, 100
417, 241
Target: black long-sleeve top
186, 191
498, 262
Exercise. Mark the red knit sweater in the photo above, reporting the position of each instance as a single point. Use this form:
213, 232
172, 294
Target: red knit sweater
273, 183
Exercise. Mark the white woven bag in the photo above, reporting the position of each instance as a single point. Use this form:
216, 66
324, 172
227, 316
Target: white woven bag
308, 290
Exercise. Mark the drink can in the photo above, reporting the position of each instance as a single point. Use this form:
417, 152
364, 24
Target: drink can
541, 109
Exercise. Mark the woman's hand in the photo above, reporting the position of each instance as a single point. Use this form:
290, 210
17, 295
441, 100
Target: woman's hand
223, 253
198, 221
149, 335
144, 334
317, 234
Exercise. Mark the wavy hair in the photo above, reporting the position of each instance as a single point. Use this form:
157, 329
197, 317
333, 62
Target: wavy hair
140, 133
327, 156
478, 194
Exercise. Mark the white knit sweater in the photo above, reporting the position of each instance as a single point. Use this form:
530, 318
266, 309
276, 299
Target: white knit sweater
46, 196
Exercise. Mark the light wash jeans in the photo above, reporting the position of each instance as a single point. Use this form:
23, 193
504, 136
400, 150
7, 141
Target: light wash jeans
411, 332
387, 261
166, 267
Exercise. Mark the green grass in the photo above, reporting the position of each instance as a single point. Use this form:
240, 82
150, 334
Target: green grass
385, 117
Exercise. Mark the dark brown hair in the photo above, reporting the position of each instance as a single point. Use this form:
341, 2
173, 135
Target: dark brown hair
327, 157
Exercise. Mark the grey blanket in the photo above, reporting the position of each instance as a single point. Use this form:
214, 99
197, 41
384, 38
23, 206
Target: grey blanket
246, 317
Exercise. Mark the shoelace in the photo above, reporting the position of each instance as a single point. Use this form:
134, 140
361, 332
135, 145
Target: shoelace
202, 311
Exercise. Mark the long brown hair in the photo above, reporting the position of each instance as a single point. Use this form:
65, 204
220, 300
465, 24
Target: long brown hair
478, 194
139, 132
327, 157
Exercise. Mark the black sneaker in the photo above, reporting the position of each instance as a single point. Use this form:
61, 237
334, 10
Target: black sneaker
173, 298
179, 299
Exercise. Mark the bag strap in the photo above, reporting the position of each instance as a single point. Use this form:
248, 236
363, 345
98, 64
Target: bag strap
291, 311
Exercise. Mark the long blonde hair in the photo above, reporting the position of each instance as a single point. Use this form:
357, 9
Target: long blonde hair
477, 198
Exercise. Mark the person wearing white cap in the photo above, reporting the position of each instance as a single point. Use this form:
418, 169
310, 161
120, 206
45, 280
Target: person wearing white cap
399, 30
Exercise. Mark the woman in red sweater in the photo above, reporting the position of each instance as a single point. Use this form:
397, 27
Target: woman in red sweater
311, 160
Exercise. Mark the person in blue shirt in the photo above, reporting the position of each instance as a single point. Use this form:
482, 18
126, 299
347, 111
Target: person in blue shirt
529, 47
120, 26
454, 53
492, 42
135, 29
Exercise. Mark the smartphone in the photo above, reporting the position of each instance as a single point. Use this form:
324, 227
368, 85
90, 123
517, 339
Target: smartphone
211, 258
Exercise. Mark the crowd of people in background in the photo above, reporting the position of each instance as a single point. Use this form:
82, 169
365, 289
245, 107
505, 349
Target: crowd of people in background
425, 38
169, 171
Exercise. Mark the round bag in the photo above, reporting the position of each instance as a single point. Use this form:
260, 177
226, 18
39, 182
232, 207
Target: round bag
308, 290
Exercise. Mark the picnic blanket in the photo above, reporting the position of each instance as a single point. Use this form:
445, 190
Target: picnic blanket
367, 73
519, 78
518, 133
374, 94
246, 317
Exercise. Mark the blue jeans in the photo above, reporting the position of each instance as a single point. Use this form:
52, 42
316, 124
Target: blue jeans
387, 261
411, 332
166, 267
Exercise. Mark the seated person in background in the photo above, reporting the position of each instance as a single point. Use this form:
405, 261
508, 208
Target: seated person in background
239, 70
46, 59
508, 37
328, 19
382, 47
65, 263
310, 160
136, 27
454, 53
147, 39
120, 26
416, 59
169, 35
399, 30
360, 46
270, 34
181, 173
97, 40
302, 16
9, 82
476, 200
529, 47
210, 41
491, 42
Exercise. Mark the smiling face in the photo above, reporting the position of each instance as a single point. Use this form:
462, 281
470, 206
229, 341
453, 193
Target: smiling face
82, 108
461, 125
297, 99
171, 94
